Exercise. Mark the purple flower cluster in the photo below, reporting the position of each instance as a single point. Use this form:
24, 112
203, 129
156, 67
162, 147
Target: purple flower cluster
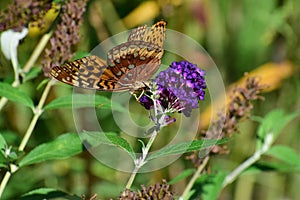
180, 87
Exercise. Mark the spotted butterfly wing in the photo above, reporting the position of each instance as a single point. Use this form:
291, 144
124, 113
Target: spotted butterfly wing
137, 33
127, 64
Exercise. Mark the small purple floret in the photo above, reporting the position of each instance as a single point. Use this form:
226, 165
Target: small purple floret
180, 87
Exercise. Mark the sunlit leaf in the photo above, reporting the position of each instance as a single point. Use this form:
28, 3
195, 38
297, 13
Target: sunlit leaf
273, 123
265, 166
211, 185
108, 138
3, 146
14, 94
285, 154
2, 142
33, 73
185, 147
62, 147
47, 193
182, 175
82, 101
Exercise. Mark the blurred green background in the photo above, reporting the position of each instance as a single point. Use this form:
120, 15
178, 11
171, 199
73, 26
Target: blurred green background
240, 36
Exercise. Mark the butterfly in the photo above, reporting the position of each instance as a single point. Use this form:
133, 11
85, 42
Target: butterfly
127, 67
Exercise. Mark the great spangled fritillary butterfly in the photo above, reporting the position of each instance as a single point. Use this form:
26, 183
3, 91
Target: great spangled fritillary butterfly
128, 64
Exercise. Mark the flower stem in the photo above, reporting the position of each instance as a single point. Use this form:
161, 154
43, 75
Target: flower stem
34, 56
132, 177
4, 182
256, 156
194, 178
145, 150
141, 161
37, 51
37, 113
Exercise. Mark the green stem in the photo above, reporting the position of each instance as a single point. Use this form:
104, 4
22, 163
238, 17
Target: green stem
142, 160
132, 177
33, 58
4, 182
194, 178
3, 102
256, 156
37, 113
145, 150
37, 51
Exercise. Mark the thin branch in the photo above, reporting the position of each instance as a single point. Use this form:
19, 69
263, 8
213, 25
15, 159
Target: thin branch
194, 178
256, 156
37, 113
145, 150
37, 51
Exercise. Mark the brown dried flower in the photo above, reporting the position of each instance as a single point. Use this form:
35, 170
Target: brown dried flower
155, 192
226, 124
66, 35
20, 12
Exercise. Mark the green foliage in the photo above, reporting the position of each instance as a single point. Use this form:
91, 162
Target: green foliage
98, 138
182, 175
62, 147
211, 185
82, 101
272, 124
3, 147
14, 94
33, 73
47, 193
185, 147
286, 155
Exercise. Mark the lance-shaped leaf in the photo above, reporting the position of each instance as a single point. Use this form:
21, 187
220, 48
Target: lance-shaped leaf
62, 147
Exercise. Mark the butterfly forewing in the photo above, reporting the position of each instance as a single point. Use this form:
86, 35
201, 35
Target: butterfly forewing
139, 62
157, 33
127, 64
137, 33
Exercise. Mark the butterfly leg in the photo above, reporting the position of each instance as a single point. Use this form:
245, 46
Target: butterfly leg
137, 97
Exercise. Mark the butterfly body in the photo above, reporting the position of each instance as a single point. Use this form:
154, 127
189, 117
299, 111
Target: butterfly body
128, 65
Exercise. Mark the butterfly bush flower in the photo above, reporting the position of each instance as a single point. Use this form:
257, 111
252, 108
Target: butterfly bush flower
20, 12
66, 35
226, 124
179, 88
158, 191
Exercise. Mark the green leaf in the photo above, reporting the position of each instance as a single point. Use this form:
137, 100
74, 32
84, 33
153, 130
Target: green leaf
285, 154
109, 138
273, 123
80, 54
81, 101
62, 147
3, 143
182, 175
14, 94
47, 193
185, 147
265, 166
34, 72
3, 160
190, 194
212, 186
